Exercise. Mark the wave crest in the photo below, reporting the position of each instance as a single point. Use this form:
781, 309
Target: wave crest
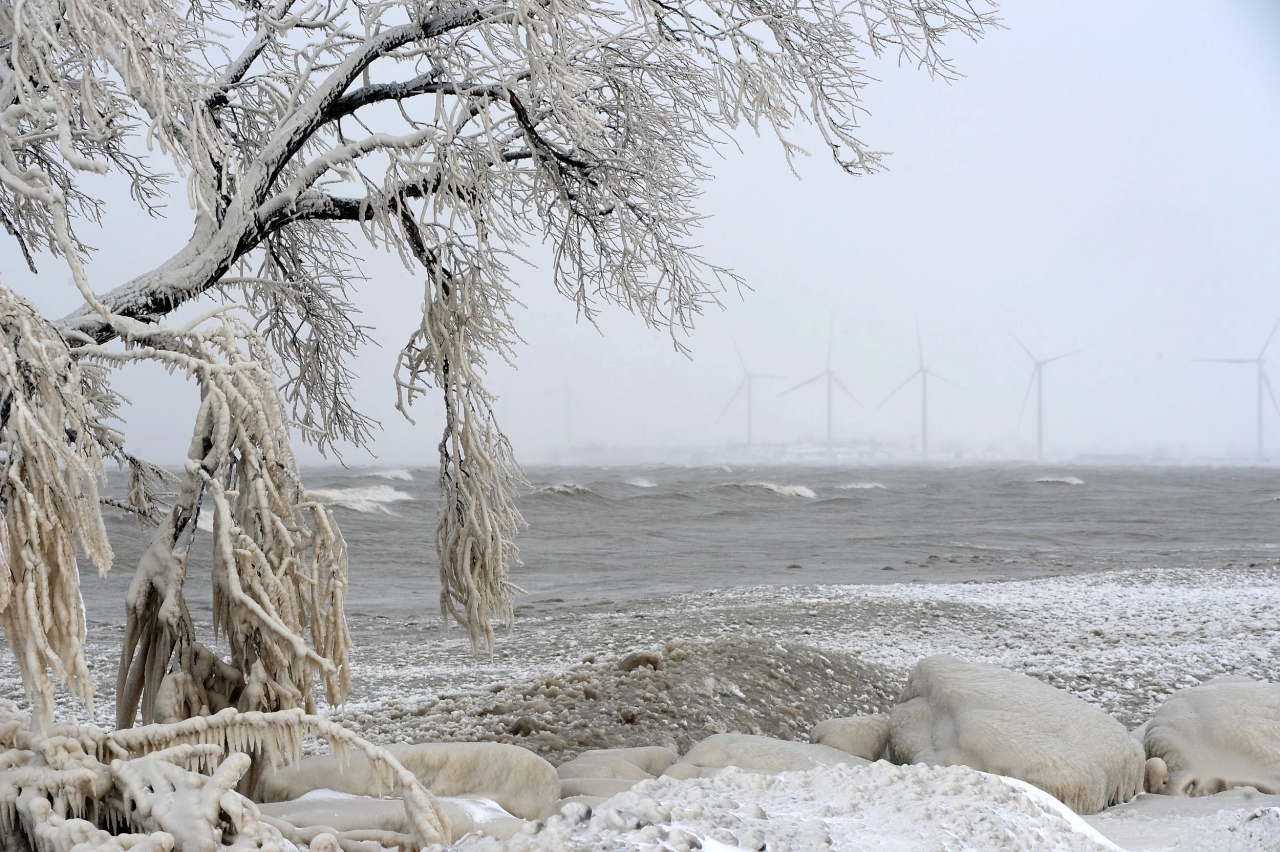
642, 482
859, 486
568, 489
371, 498
1059, 480
783, 490
399, 474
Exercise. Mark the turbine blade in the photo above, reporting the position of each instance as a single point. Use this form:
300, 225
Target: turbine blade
802, 384
898, 388
1065, 355
741, 385
1266, 380
831, 327
739, 351
1024, 348
840, 385
940, 378
765, 376
1263, 351
919, 345
1027, 397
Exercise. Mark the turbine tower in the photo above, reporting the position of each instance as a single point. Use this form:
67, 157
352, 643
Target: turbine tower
1037, 379
748, 381
832, 381
924, 373
1264, 382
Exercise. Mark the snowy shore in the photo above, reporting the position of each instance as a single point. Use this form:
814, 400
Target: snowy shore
774, 660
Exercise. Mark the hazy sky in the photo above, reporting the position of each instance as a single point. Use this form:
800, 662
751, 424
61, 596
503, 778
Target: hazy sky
1104, 177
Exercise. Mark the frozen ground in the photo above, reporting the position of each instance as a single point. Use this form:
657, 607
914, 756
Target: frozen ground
1122, 640
777, 659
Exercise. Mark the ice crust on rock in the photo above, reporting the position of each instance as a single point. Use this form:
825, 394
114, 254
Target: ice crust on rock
955, 712
516, 778
1220, 735
864, 736
762, 754
844, 808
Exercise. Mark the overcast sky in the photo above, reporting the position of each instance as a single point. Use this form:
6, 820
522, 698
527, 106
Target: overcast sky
1104, 177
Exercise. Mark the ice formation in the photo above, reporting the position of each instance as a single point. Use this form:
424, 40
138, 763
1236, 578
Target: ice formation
865, 736
762, 754
954, 712
174, 785
516, 778
48, 492
1216, 736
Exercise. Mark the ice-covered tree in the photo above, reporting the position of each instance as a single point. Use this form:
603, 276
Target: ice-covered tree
456, 134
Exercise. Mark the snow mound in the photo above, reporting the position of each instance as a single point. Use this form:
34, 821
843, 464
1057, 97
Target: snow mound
860, 486
1059, 480
784, 490
372, 498
842, 808
398, 474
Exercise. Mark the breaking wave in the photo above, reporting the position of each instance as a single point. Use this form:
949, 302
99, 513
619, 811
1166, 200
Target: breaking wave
399, 474
859, 486
641, 482
1060, 480
373, 498
783, 490
568, 489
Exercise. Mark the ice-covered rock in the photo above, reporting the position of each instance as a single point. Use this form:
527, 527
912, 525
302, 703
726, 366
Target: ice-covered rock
601, 788
864, 736
517, 779
365, 817
651, 759
761, 754
1219, 735
955, 712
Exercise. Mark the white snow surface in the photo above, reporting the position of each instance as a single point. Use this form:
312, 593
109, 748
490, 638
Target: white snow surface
842, 808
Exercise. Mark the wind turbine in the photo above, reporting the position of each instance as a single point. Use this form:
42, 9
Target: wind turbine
748, 381
924, 373
1263, 380
832, 381
1037, 379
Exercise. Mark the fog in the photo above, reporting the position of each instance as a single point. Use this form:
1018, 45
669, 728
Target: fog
1104, 177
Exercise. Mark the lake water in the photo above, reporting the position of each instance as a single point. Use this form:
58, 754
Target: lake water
624, 533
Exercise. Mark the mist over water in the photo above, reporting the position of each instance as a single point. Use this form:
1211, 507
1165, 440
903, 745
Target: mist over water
624, 533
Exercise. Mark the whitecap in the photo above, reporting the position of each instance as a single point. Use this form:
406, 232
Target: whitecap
372, 498
398, 473
572, 489
1060, 480
859, 486
784, 490
641, 482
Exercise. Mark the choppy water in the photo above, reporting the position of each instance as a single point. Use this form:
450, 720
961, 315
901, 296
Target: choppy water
623, 533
